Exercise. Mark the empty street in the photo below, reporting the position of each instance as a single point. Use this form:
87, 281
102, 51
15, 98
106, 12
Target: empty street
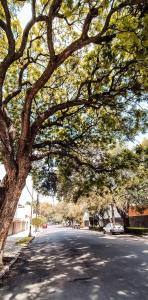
70, 264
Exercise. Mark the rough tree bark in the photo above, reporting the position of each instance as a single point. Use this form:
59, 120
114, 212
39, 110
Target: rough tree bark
109, 217
10, 194
113, 214
125, 217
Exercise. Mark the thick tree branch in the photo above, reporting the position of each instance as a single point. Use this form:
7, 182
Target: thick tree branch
91, 14
5, 28
70, 142
53, 65
20, 85
55, 62
59, 107
12, 55
6, 141
33, 9
58, 121
9, 33
27, 29
93, 100
78, 44
52, 13
64, 153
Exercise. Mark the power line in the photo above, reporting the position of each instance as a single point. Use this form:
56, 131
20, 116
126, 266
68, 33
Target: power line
31, 194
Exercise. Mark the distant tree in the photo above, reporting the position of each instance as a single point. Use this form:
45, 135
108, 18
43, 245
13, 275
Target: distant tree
64, 211
47, 210
144, 144
39, 221
126, 185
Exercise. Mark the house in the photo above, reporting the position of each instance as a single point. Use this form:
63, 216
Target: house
21, 221
138, 218
86, 218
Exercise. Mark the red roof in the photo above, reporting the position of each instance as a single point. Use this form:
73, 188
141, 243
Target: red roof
134, 213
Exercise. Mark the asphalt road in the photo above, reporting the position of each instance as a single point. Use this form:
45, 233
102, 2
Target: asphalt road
68, 264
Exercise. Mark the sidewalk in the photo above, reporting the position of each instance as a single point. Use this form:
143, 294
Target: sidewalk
12, 250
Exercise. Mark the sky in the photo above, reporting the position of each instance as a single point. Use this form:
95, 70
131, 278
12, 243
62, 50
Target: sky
138, 139
25, 14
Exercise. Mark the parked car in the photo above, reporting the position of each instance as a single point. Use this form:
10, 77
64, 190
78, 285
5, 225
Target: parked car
76, 225
67, 224
44, 226
113, 228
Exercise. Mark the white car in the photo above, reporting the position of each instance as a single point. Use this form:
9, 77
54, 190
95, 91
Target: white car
113, 228
76, 225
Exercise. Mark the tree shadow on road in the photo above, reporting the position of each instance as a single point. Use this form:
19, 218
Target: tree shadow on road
73, 265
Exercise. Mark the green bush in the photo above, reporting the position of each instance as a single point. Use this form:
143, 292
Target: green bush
137, 230
95, 228
39, 221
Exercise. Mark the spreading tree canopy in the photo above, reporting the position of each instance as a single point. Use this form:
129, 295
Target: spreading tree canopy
76, 69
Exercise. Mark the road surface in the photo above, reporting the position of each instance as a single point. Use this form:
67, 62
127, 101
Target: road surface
69, 264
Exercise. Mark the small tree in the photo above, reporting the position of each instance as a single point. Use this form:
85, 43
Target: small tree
38, 222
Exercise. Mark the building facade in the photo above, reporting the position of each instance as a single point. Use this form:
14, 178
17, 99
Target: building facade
21, 221
138, 218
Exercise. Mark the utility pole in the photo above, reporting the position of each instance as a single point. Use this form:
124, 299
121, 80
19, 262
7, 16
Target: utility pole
113, 213
37, 209
30, 228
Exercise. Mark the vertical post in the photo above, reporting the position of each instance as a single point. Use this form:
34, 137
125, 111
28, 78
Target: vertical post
113, 213
30, 228
37, 205
37, 210
93, 220
108, 214
53, 199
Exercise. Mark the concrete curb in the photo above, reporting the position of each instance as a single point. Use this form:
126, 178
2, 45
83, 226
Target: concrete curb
6, 269
124, 235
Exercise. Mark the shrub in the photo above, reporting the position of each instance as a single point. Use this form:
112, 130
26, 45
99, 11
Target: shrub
39, 221
95, 228
137, 230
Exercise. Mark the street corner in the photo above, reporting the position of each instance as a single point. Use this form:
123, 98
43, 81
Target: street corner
3, 271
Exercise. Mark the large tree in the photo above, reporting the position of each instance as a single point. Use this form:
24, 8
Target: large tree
125, 185
49, 76
132, 186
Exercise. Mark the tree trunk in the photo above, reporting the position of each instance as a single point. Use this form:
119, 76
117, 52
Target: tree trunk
125, 218
113, 213
109, 217
12, 192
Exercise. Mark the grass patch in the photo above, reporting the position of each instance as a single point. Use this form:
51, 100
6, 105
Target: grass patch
140, 228
25, 240
95, 228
